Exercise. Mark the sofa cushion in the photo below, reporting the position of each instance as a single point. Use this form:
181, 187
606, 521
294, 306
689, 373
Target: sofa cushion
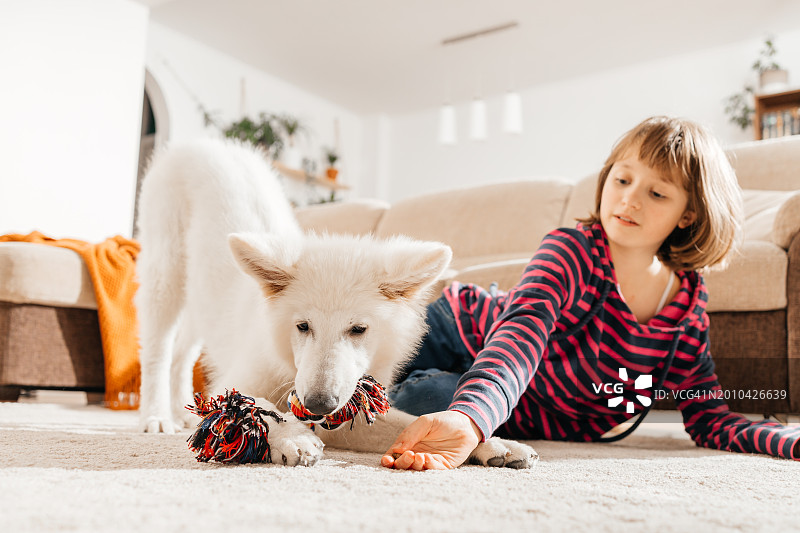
760, 210
508, 218
460, 264
771, 216
755, 280
44, 275
354, 217
505, 273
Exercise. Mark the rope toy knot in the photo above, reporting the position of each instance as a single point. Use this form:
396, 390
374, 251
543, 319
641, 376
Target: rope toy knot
369, 397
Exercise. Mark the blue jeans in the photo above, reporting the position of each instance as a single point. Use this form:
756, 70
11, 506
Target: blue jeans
429, 381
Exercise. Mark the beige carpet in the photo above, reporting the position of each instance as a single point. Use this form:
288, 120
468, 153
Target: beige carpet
83, 468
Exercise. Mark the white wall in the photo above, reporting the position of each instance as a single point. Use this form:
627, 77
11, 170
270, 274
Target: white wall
189, 72
570, 126
71, 98
377, 147
71, 115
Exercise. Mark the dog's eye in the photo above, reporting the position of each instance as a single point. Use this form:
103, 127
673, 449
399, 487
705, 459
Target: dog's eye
358, 330
302, 327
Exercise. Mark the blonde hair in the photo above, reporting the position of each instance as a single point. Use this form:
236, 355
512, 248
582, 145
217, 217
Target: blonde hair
690, 154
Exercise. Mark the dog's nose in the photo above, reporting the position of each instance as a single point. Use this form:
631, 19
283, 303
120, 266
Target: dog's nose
321, 404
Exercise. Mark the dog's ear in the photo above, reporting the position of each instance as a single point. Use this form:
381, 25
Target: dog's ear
413, 267
267, 258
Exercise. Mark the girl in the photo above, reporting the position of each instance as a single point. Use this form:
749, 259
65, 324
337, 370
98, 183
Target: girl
617, 298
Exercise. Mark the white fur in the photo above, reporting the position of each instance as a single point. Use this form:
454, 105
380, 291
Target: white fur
225, 270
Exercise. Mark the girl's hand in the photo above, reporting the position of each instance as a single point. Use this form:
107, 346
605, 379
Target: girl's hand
437, 441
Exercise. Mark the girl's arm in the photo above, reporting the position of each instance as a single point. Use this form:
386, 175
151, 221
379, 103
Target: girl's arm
554, 280
712, 425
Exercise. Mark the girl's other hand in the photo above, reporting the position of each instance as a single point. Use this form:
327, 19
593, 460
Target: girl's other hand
437, 441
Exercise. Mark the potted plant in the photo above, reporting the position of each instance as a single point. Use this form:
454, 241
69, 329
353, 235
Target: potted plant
738, 108
263, 133
771, 77
332, 157
291, 126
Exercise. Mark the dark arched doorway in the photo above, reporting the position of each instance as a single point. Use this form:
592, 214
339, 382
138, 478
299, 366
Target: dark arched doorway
155, 132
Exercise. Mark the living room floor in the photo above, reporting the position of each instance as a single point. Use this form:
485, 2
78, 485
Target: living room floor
69, 466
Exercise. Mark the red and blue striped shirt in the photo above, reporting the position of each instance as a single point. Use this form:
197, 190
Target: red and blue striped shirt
558, 356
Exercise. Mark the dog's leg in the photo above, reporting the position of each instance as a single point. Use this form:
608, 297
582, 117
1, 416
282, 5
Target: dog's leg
185, 355
159, 301
155, 410
291, 442
376, 438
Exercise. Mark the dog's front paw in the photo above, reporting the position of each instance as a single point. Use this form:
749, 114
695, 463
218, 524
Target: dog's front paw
507, 453
292, 443
159, 423
156, 415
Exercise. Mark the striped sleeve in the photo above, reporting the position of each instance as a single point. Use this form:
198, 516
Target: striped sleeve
711, 424
553, 280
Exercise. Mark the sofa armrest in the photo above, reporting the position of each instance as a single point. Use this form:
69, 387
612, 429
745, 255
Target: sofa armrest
787, 222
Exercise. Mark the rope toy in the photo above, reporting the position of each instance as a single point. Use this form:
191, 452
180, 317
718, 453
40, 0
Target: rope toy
369, 397
232, 429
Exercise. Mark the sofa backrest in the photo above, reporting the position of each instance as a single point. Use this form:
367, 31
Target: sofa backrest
483, 223
581, 201
354, 217
772, 164
507, 220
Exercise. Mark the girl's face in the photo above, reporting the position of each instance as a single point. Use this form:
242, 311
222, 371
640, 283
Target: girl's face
640, 207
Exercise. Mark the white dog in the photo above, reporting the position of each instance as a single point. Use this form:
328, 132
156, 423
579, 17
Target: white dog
225, 270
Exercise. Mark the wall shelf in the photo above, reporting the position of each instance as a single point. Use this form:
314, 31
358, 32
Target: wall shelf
777, 114
302, 176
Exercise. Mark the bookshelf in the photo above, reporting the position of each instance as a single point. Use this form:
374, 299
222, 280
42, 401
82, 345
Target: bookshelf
777, 115
301, 175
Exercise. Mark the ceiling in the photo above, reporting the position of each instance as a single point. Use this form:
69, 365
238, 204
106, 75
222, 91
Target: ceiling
374, 56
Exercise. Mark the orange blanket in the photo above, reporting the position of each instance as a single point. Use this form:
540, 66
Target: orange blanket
111, 265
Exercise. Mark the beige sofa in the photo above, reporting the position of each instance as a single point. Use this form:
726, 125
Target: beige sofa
493, 230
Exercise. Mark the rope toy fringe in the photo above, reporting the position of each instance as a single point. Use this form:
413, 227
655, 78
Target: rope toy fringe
232, 429
369, 397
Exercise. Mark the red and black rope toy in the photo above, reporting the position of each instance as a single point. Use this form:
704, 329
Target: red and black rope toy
369, 397
234, 430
